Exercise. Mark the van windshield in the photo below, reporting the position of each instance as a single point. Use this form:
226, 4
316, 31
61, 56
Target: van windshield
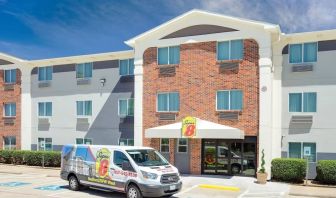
147, 157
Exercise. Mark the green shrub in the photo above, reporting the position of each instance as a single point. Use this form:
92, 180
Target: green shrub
5, 156
326, 171
31, 158
289, 169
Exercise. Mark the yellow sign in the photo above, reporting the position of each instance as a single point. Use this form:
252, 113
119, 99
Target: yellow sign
189, 127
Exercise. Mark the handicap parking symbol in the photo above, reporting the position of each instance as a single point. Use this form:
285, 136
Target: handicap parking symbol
14, 184
50, 188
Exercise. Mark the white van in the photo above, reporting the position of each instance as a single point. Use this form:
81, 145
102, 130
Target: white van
138, 171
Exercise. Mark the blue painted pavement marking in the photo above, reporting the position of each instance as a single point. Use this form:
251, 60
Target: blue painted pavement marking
14, 184
50, 187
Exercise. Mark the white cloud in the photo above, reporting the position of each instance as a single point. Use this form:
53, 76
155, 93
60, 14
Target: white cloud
291, 15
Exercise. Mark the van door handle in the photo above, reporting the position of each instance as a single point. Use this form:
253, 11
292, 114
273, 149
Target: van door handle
112, 169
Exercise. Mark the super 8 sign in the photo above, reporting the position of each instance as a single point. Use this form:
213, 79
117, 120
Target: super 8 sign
189, 127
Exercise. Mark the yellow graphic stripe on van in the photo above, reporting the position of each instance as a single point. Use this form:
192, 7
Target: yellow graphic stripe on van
230, 188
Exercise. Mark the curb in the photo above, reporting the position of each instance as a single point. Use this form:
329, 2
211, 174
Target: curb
229, 188
35, 167
306, 195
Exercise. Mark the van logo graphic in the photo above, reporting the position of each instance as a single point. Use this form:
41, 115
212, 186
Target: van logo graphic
170, 179
102, 162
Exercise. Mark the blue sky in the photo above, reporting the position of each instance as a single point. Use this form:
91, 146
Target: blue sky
36, 29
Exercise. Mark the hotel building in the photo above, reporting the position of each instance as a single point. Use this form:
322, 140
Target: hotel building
247, 86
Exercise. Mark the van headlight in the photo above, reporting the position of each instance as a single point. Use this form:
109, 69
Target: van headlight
148, 175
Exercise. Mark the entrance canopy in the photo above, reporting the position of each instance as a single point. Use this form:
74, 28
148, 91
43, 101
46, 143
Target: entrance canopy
204, 129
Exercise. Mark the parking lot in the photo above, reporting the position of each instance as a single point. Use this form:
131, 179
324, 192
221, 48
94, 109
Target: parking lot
24, 182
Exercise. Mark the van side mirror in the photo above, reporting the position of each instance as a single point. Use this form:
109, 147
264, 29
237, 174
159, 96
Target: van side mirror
126, 166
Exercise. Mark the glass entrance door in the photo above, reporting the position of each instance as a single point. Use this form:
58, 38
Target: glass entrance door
228, 157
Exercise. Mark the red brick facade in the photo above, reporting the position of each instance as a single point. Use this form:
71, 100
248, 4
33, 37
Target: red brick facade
197, 79
9, 96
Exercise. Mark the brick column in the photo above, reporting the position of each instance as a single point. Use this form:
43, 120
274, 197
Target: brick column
172, 151
195, 156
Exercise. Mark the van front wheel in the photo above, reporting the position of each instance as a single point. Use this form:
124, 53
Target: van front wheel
133, 192
73, 183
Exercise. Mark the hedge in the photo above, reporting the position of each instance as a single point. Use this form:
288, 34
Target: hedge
31, 158
289, 169
326, 171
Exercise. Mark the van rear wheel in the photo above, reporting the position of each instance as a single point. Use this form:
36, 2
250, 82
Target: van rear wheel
133, 192
73, 183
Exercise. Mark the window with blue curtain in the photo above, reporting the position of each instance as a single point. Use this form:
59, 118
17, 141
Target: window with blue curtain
295, 53
294, 150
237, 50
123, 107
123, 67
10, 109
306, 52
10, 76
174, 55
230, 100
45, 108
302, 102
168, 102
45, 73
84, 108
223, 50
295, 102
163, 56
230, 50
162, 100
126, 67
223, 100
131, 66
126, 107
169, 55
309, 102
84, 70
310, 52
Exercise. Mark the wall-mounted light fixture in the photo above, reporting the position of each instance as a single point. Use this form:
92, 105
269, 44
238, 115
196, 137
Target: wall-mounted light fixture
102, 81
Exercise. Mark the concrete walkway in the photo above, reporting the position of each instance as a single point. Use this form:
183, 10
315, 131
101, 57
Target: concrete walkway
22, 169
309, 191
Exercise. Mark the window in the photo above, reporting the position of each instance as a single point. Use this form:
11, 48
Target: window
306, 52
169, 55
84, 108
119, 158
126, 107
45, 109
44, 144
229, 100
83, 141
45, 73
9, 142
182, 145
10, 76
302, 102
164, 145
230, 50
126, 67
126, 142
302, 150
10, 109
84, 70
168, 102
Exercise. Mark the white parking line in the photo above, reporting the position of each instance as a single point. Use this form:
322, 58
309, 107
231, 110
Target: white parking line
58, 193
186, 190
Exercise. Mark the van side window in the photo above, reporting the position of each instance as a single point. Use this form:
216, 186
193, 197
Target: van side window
119, 158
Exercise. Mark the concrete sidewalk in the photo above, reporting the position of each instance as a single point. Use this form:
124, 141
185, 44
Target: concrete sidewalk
312, 191
23, 169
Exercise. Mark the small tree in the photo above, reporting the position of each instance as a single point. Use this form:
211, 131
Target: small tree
262, 168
